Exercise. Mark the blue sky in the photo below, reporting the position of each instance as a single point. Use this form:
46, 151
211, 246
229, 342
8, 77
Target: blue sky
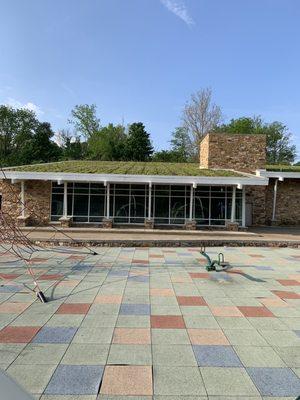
139, 60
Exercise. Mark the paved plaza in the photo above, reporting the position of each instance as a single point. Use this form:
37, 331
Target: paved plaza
153, 323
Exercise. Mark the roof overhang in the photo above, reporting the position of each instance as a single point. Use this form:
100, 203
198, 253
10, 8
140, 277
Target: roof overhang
251, 180
277, 174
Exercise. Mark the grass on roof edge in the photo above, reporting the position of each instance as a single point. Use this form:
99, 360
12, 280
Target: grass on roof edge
126, 167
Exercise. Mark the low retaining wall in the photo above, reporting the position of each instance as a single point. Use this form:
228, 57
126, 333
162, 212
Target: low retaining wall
168, 243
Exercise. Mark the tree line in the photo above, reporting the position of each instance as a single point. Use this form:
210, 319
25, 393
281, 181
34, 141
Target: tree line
25, 140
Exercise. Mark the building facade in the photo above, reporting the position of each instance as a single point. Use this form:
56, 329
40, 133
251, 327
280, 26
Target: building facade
229, 188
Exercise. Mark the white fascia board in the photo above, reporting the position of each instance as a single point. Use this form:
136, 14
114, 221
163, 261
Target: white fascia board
277, 174
146, 179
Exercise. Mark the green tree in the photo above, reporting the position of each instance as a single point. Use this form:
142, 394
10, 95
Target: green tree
17, 127
138, 144
166, 156
72, 147
109, 143
280, 150
182, 146
84, 119
42, 148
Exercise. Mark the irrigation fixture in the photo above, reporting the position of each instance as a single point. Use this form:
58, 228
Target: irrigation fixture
214, 265
15, 242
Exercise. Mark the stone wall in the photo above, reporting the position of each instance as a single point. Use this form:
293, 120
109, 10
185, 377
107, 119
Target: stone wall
244, 153
256, 198
287, 203
37, 201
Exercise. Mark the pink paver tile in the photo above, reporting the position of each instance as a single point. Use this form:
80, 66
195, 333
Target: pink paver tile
199, 275
127, 381
273, 302
286, 295
162, 292
108, 299
288, 282
181, 279
73, 308
50, 277
18, 334
8, 276
249, 311
142, 273
13, 308
191, 301
207, 337
167, 322
294, 276
132, 336
225, 311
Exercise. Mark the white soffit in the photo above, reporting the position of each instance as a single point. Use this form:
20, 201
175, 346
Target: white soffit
146, 179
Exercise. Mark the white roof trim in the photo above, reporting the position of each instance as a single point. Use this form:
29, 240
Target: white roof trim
277, 174
115, 178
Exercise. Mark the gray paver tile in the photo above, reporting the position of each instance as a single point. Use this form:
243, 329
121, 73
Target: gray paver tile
130, 354
245, 337
201, 322
257, 356
280, 338
34, 378
178, 381
170, 336
41, 353
86, 354
228, 382
173, 355
93, 335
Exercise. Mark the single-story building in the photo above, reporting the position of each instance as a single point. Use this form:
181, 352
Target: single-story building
230, 187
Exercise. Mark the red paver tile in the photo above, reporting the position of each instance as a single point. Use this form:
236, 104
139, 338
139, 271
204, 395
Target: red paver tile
162, 292
286, 295
132, 336
191, 301
50, 277
9, 276
249, 311
108, 299
167, 322
13, 308
288, 282
140, 261
127, 381
37, 260
196, 275
73, 308
273, 302
207, 337
18, 334
225, 311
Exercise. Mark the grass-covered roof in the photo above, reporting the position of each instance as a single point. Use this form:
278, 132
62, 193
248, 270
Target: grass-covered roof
283, 168
126, 168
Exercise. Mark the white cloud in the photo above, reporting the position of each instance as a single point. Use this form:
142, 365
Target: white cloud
178, 8
27, 106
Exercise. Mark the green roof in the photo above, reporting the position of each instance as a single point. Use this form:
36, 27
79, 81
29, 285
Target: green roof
283, 168
126, 168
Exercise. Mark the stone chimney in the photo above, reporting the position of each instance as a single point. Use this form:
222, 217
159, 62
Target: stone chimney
244, 153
